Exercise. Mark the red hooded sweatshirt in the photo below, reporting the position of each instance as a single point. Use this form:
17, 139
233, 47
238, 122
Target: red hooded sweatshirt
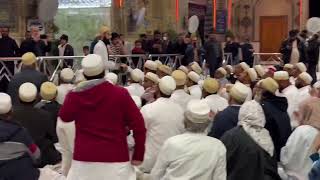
103, 113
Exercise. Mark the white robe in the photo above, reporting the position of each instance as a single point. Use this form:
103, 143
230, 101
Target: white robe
66, 136
291, 93
195, 91
303, 94
135, 89
63, 90
295, 156
191, 156
101, 171
163, 119
101, 49
181, 97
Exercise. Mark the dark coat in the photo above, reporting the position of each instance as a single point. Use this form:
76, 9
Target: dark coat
68, 51
13, 132
224, 121
247, 54
39, 48
246, 160
41, 127
26, 75
9, 47
286, 49
188, 55
277, 121
313, 51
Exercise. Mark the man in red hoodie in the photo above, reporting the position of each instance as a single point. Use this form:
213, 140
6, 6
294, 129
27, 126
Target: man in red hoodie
103, 113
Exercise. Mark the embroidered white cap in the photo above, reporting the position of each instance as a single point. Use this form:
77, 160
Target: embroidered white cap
180, 77
28, 92
5, 103
152, 77
305, 77
151, 65
260, 70
92, 65
281, 75
137, 75
301, 66
111, 77
67, 75
239, 92
193, 76
167, 85
252, 74
198, 111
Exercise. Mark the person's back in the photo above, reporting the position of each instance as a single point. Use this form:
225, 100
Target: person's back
246, 159
16, 147
193, 156
163, 119
181, 97
277, 120
41, 127
26, 75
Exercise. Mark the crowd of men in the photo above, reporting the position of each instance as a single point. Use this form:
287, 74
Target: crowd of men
164, 123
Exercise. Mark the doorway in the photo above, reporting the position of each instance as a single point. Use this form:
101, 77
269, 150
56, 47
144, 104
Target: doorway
273, 30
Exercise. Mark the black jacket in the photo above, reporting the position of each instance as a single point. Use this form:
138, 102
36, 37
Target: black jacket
277, 121
286, 49
313, 51
26, 75
9, 47
39, 48
224, 121
41, 127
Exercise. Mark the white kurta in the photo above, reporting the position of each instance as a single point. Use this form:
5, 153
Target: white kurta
216, 102
63, 90
295, 156
191, 156
181, 97
195, 91
101, 171
163, 119
135, 89
291, 93
66, 136
101, 49
303, 94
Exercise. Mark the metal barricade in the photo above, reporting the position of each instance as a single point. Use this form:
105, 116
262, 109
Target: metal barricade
51, 65
267, 59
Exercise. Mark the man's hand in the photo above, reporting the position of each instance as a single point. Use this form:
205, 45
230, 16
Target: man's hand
136, 163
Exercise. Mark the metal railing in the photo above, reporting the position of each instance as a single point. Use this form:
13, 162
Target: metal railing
50, 65
267, 58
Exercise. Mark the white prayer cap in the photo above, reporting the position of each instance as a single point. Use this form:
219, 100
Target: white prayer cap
111, 77
222, 71
239, 92
152, 77
167, 85
28, 58
281, 75
305, 77
137, 101
194, 76
244, 66
165, 69
301, 66
252, 74
28, 92
180, 77
288, 66
270, 85
316, 85
48, 91
184, 69
67, 75
196, 67
5, 103
159, 63
198, 111
136, 75
260, 70
92, 65
151, 65
229, 68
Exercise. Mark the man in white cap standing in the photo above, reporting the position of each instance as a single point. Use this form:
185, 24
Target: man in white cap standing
209, 93
180, 96
150, 84
303, 83
66, 78
18, 151
275, 110
228, 118
289, 91
163, 119
135, 88
296, 71
193, 86
192, 154
28, 73
39, 123
221, 75
103, 114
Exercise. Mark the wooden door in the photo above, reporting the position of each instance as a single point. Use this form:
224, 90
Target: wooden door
273, 30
